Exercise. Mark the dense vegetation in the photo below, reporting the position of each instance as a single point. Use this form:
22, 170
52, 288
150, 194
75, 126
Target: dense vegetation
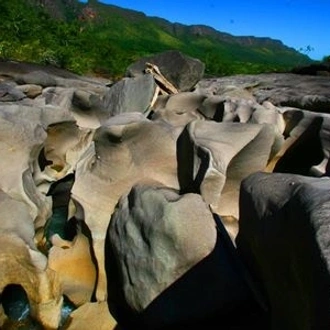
103, 39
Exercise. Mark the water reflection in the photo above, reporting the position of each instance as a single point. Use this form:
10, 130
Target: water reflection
16, 306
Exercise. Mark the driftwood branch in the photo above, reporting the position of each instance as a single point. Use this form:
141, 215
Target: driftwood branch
165, 86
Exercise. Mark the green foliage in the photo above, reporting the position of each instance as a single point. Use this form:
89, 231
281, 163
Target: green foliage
116, 38
326, 59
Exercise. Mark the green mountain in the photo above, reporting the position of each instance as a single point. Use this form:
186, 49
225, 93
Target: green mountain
96, 38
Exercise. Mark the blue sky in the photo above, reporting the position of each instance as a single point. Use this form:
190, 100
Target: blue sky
301, 24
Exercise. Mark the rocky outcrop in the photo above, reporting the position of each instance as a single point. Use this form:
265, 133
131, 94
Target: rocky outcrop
285, 89
123, 199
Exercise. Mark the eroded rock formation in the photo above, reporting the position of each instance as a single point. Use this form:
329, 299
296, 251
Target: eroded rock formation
124, 198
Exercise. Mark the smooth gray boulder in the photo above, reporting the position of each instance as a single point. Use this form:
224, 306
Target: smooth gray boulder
128, 95
30, 90
284, 240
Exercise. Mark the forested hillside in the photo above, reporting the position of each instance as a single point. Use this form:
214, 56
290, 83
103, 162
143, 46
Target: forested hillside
95, 38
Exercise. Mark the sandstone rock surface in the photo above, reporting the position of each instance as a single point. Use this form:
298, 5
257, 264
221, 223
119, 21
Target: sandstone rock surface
124, 199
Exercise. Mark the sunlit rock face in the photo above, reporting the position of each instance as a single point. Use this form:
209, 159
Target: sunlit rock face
77, 282
128, 149
95, 174
220, 155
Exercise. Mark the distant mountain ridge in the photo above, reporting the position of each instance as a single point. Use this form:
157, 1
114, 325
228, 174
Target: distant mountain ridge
178, 29
204, 30
109, 37
65, 8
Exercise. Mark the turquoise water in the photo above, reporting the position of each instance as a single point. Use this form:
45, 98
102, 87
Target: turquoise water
15, 302
16, 306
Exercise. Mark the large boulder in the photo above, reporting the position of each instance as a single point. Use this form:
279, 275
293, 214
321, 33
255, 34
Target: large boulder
284, 240
129, 95
182, 71
169, 264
